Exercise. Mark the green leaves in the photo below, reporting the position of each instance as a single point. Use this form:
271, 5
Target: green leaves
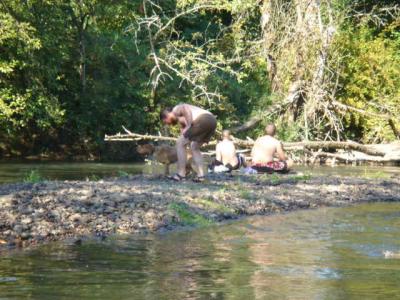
371, 79
75, 70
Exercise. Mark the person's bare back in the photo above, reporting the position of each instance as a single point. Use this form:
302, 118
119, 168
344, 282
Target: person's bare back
188, 114
265, 149
226, 153
226, 157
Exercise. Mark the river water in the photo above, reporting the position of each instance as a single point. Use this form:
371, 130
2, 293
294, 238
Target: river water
333, 253
329, 253
17, 171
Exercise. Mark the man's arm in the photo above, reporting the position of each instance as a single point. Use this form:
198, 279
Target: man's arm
280, 152
184, 115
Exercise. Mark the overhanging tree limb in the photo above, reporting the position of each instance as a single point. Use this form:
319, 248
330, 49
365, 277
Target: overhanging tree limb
312, 145
385, 116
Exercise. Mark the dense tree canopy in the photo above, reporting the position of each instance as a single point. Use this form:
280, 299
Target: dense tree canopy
73, 70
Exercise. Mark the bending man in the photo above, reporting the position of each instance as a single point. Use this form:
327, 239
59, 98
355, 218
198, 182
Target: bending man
197, 127
264, 150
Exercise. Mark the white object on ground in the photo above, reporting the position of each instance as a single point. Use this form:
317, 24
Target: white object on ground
391, 254
220, 169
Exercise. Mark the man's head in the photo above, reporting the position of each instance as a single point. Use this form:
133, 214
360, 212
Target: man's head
168, 117
226, 134
270, 129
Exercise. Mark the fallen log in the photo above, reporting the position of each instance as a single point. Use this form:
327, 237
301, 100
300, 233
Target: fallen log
131, 136
351, 157
376, 153
330, 145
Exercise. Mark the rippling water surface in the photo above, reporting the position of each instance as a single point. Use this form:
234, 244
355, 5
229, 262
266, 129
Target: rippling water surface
17, 171
333, 253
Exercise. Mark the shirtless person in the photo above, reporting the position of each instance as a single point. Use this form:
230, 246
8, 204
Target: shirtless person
264, 150
197, 127
226, 155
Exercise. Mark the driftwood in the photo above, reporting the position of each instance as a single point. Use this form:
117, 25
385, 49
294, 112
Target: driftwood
350, 157
349, 145
351, 151
131, 136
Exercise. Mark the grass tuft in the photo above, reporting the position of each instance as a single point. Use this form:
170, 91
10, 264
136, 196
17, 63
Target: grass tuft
187, 217
122, 174
33, 176
209, 204
94, 177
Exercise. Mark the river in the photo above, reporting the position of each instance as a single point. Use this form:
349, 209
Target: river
333, 253
17, 171
327, 253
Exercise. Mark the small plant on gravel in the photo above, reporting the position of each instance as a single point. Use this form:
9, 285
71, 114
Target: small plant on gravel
301, 177
245, 194
187, 217
122, 173
93, 177
375, 175
212, 205
33, 176
275, 179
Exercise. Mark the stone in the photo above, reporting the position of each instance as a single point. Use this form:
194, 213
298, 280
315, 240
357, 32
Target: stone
18, 229
26, 221
76, 217
25, 235
6, 200
54, 214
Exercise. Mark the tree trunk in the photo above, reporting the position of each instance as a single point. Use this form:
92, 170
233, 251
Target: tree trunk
82, 66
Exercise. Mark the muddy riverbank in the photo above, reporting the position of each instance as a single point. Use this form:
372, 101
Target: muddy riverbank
55, 210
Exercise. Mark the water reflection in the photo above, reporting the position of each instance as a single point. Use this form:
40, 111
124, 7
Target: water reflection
320, 254
16, 171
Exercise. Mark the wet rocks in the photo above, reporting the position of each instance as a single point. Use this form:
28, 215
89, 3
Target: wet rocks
31, 214
26, 221
18, 229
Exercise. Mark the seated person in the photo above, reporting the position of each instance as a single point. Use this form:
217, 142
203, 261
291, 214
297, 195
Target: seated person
264, 150
226, 157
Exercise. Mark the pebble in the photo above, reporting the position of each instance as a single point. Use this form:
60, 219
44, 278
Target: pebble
57, 210
75, 217
26, 221
18, 229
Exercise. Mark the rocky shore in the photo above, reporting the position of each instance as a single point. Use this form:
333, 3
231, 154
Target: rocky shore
35, 213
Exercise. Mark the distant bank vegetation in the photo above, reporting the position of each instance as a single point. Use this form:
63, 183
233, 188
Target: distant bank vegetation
72, 71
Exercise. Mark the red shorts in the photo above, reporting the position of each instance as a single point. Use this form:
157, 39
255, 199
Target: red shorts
270, 167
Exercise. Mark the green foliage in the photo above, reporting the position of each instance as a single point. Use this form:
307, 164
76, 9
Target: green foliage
370, 79
186, 217
211, 205
45, 98
33, 176
276, 179
25, 102
375, 174
301, 177
122, 173
94, 177
72, 71
245, 194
